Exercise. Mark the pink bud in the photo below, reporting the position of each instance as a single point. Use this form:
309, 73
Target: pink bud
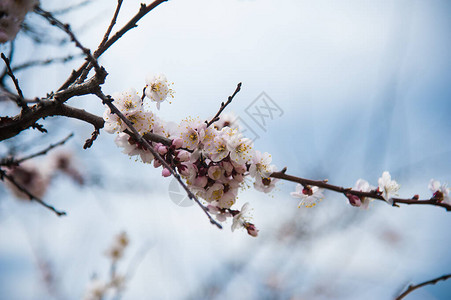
166, 173
200, 181
177, 143
162, 150
354, 200
251, 229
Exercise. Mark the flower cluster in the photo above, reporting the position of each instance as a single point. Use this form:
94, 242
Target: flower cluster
215, 161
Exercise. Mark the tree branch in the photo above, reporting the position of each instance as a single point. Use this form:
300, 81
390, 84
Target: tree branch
372, 194
411, 288
130, 25
20, 100
66, 28
10, 127
224, 105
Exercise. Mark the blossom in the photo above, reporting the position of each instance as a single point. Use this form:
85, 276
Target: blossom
240, 218
128, 102
388, 187
215, 192
158, 89
221, 214
226, 120
309, 196
217, 150
130, 105
260, 166
265, 185
192, 132
440, 191
240, 148
132, 147
362, 186
215, 172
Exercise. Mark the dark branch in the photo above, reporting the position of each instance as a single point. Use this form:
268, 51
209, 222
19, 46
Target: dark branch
411, 288
11, 54
31, 196
66, 28
10, 127
105, 38
224, 105
372, 194
130, 25
20, 100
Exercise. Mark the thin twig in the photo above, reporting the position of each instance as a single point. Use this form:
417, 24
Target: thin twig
11, 53
130, 25
31, 196
110, 28
105, 39
107, 100
224, 105
20, 101
66, 28
372, 194
411, 288
15, 162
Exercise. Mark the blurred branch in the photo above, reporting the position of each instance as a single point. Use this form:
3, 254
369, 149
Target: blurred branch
375, 194
71, 7
8, 162
3, 175
411, 288
224, 105
45, 62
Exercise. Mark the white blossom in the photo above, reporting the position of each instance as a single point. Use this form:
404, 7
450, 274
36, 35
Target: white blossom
440, 191
388, 187
240, 218
309, 196
240, 148
363, 186
158, 89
